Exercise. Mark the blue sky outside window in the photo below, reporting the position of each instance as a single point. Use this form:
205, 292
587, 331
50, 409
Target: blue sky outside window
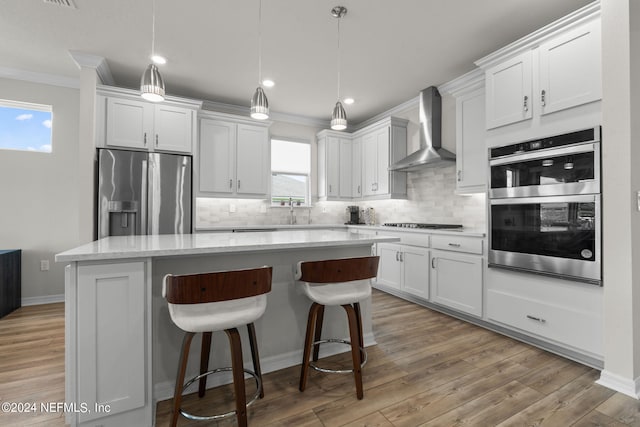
25, 127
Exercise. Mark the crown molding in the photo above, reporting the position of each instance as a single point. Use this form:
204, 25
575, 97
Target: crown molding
401, 108
44, 78
584, 14
472, 80
86, 60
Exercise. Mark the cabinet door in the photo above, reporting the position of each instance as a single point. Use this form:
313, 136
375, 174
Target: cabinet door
111, 357
471, 152
382, 141
253, 160
356, 169
415, 268
456, 281
173, 128
369, 164
216, 163
333, 167
129, 123
346, 166
509, 91
389, 269
570, 70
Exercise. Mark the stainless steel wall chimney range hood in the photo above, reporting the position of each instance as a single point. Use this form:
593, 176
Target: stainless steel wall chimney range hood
430, 150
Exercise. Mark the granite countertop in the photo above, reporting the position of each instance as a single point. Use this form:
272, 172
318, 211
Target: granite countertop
167, 245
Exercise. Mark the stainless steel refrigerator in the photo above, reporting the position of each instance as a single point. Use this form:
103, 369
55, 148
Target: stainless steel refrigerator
143, 193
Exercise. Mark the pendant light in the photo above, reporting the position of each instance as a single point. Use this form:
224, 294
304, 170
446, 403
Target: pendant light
339, 116
151, 83
259, 102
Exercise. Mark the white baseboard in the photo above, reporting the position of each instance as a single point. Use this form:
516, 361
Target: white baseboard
164, 390
47, 299
620, 384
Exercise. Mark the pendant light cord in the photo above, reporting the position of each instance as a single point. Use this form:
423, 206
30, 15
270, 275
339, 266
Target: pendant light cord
260, 43
339, 65
153, 28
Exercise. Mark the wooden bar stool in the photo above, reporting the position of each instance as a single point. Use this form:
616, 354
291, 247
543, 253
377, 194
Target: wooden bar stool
344, 282
218, 301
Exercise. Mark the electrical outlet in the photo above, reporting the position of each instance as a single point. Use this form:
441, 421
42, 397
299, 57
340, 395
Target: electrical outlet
44, 265
232, 207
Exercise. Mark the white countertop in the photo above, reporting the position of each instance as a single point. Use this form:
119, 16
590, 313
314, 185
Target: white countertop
123, 247
218, 228
468, 232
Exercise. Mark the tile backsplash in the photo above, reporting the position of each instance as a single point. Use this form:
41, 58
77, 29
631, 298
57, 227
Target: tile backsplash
431, 199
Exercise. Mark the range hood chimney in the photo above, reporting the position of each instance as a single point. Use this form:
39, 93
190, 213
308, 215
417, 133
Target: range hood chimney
430, 150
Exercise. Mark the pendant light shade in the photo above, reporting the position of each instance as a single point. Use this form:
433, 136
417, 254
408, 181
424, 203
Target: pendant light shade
152, 85
259, 102
259, 105
339, 117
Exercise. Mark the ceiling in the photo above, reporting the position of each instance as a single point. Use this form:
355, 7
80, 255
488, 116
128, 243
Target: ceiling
390, 50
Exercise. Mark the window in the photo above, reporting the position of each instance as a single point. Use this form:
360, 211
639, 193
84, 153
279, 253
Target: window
290, 173
25, 126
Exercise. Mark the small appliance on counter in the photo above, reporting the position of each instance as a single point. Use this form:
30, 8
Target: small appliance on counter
353, 215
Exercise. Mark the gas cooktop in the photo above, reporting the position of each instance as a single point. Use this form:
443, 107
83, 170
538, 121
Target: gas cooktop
421, 225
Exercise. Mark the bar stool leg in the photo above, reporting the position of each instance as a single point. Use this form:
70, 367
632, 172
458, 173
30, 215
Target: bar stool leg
182, 367
254, 355
355, 349
356, 307
204, 362
238, 376
308, 343
318, 336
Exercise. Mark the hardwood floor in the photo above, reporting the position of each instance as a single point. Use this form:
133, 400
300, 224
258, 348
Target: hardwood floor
427, 370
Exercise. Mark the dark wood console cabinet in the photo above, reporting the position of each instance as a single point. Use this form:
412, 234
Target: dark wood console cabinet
10, 281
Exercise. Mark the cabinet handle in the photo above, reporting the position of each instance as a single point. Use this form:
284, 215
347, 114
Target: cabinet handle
145, 139
537, 319
230, 183
459, 175
156, 139
397, 256
433, 262
543, 95
238, 184
454, 245
401, 257
329, 188
526, 103
358, 189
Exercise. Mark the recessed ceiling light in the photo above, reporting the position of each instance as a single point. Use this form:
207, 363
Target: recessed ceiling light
160, 60
349, 101
268, 83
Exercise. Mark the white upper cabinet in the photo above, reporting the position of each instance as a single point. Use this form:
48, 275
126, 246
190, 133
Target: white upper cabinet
509, 91
335, 165
471, 148
356, 168
556, 68
233, 158
126, 121
570, 69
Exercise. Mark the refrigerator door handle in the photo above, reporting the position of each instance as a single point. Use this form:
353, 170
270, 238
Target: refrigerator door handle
144, 201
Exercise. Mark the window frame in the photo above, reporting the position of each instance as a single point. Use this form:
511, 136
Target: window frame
308, 197
30, 106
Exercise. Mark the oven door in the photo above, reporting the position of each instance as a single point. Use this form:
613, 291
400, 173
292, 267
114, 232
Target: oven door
552, 172
559, 236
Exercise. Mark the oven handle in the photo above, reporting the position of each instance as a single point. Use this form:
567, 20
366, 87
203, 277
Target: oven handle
581, 198
543, 154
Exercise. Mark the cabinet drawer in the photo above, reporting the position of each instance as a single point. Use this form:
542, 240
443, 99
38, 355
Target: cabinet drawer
567, 326
408, 238
457, 243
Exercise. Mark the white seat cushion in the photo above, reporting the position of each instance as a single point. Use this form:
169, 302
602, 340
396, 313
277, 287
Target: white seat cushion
218, 316
338, 293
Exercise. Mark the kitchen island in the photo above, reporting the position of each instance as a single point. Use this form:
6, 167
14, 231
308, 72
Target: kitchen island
121, 347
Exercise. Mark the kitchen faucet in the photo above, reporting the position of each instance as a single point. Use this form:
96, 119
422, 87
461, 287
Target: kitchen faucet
292, 218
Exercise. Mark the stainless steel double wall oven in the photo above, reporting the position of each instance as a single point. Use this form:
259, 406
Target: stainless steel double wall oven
544, 211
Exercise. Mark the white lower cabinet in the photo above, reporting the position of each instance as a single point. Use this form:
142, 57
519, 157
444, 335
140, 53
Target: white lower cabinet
405, 268
456, 281
111, 344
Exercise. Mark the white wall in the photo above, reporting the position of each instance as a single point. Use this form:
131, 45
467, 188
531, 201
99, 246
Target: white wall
38, 211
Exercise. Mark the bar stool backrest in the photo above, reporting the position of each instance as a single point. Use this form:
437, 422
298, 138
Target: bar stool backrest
338, 270
217, 286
